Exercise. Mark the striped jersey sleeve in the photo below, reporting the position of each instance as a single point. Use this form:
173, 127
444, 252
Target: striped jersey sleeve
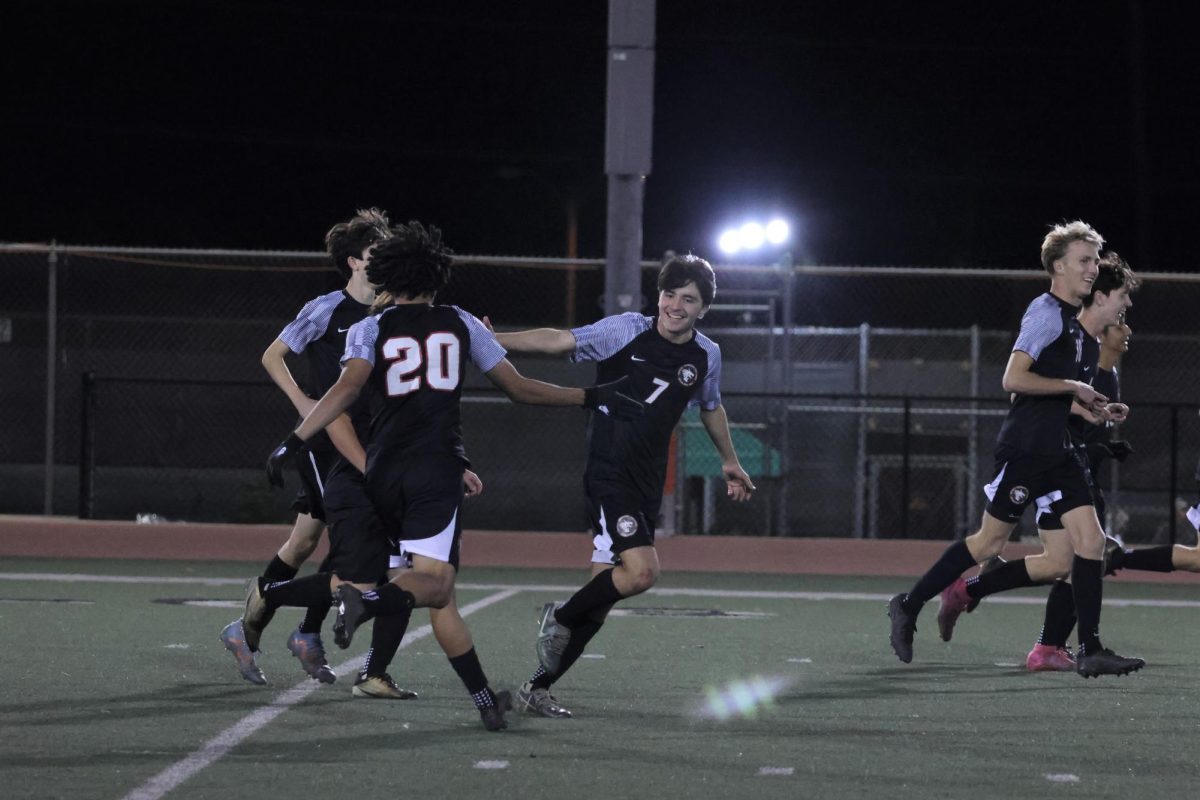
709, 396
607, 336
312, 321
486, 351
360, 340
1040, 326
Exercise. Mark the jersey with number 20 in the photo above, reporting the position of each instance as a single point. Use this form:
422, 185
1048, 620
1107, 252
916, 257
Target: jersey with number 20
418, 354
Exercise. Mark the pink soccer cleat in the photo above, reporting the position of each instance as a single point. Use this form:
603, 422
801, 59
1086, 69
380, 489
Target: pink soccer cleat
1048, 658
955, 601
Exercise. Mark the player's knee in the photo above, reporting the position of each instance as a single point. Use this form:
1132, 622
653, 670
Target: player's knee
643, 578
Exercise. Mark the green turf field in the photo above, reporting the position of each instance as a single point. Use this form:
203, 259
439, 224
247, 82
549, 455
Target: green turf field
114, 688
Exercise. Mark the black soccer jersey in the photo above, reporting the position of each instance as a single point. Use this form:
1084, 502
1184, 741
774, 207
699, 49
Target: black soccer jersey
1052, 336
319, 332
1103, 381
418, 355
665, 376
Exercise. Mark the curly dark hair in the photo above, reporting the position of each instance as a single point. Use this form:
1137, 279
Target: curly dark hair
349, 239
411, 262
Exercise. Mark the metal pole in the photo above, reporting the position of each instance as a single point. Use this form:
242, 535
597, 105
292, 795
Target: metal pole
973, 439
628, 133
1174, 471
51, 375
905, 447
87, 446
860, 456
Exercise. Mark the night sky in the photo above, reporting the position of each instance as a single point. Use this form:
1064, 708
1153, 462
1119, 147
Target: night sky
946, 134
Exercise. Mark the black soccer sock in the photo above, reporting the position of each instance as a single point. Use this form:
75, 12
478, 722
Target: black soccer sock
1149, 559
470, 672
314, 617
1009, 575
540, 678
952, 563
279, 570
1087, 584
387, 599
581, 634
1060, 615
386, 634
596, 594
310, 590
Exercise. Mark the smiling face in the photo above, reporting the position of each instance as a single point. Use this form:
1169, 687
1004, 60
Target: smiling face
1076, 271
678, 310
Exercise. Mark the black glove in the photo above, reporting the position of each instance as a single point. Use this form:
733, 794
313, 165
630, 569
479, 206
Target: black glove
285, 453
1119, 448
608, 399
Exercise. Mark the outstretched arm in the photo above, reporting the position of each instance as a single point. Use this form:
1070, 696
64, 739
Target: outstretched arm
737, 483
552, 341
607, 398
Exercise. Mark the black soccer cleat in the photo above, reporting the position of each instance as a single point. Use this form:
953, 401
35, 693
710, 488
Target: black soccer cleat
904, 625
1106, 662
1114, 556
493, 716
350, 613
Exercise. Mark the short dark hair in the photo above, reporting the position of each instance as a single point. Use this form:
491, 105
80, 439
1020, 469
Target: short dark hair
682, 270
411, 262
349, 239
1114, 273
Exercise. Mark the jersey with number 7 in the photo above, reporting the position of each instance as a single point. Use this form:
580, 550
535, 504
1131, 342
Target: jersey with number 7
665, 376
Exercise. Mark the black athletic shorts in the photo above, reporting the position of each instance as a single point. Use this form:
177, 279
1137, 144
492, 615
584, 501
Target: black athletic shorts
314, 465
418, 502
620, 518
1049, 519
1056, 482
358, 543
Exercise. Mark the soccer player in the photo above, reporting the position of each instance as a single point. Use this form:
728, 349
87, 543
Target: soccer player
668, 365
333, 490
1034, 455
414, 356
319, 333
1102, 319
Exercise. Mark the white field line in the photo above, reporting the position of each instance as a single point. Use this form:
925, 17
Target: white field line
568, 590
216, 747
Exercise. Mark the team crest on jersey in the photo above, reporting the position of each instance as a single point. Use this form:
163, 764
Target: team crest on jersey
627, 526
1018, 494
687, 374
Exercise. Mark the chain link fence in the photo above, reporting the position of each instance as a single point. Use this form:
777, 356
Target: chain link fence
865, 401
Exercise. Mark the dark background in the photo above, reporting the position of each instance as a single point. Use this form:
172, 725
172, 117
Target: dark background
918, 133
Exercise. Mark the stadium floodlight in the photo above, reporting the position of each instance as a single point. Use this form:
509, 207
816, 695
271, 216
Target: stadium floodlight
730, 242
752, 236
777, 231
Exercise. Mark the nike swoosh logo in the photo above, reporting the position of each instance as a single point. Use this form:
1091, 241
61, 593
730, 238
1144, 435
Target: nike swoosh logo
342, 330
635, 358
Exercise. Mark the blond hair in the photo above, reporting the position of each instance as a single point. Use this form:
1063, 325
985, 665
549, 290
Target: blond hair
1055, 245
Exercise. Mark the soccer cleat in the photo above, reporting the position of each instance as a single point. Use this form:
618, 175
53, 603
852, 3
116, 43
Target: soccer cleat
308, 648
552, 639
955, 601
381, 687
541, 702
1106, 662
257, 616
904, 626
493, 716
234, 639
350, 612
1048, 658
